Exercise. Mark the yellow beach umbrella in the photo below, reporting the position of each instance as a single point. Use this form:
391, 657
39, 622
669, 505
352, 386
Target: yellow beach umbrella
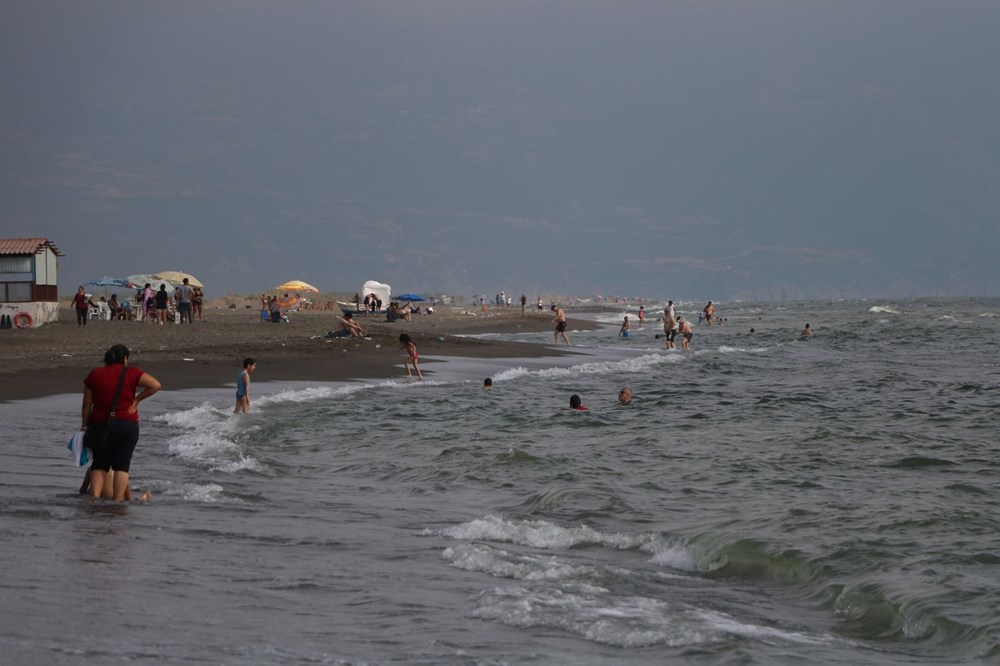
296, 285
176, 277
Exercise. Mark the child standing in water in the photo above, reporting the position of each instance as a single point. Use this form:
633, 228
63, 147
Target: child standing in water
411, 355
626, 329
243, 386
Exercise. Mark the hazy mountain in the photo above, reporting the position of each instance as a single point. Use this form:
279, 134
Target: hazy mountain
685, 149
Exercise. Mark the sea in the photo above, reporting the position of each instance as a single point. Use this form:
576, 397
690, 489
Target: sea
765, 499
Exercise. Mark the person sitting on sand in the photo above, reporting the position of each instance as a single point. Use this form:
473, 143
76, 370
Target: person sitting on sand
576, 403
348, 327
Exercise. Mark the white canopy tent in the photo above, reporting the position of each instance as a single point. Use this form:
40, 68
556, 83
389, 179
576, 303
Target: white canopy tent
383, 291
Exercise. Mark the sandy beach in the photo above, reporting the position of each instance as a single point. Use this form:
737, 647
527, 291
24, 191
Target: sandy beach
54, 358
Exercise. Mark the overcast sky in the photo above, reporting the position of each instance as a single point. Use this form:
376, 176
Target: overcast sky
686, 150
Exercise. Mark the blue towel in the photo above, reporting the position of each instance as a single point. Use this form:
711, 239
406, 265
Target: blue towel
79, 451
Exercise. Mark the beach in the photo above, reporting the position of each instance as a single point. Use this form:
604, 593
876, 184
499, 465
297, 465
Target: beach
54, 358
764, 499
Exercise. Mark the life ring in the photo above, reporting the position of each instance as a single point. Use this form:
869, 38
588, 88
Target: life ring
23, 319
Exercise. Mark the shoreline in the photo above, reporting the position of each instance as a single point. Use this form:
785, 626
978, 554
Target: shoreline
54, 358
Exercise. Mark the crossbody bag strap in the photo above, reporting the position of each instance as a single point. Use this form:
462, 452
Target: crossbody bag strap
118, 394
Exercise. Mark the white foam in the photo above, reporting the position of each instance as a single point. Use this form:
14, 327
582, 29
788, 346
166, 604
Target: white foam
192, 492
730, 625
594, 614
510, 373
724, 349
501, 563
675, 556
637, 364
884, 309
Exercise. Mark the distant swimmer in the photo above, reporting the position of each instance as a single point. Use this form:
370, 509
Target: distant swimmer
686, 333
576, 403
709, 311
625, 396
488, 383
741, 333
642, 315
560, 321
807, 331
626, 329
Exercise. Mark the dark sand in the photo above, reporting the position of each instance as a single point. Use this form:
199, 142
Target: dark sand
55, 357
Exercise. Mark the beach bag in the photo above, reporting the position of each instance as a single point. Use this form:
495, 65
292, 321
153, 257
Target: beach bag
96, 436
150, 303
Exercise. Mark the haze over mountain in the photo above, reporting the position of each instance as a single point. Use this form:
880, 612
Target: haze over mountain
766, 149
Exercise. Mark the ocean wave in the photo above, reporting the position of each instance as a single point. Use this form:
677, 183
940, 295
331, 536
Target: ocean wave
883, 309
638, 364
504, 564
602, 616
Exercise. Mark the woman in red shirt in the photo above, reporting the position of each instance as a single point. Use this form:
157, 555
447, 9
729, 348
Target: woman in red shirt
81, 303
114, 455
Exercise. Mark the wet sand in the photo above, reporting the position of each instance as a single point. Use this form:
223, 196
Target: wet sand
54, 358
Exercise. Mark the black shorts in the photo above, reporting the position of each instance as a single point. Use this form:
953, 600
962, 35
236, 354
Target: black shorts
560, 327
117, 454
671, 334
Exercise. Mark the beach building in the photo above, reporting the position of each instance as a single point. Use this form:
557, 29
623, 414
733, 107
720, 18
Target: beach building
29, 270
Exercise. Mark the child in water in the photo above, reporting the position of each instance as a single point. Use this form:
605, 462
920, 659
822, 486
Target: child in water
243, 386
411, 355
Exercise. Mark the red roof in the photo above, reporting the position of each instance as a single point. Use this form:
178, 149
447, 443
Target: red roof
26, 246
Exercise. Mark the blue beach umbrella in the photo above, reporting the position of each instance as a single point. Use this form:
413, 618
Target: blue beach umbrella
410, 297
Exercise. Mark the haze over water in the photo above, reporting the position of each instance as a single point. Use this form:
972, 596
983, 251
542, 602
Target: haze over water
765, 500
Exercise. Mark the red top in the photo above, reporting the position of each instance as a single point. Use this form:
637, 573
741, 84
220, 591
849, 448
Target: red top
80, 301
103, 381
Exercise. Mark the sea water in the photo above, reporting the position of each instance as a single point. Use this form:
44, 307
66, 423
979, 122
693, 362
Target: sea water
766, 499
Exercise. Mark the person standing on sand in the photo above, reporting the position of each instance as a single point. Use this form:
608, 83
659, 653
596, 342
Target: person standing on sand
411, 355
243, 386
184, 294
162, 300
560, 321
113, 454
686, 332
709, 311
524, 302
197, 301
148, 306
81, 305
